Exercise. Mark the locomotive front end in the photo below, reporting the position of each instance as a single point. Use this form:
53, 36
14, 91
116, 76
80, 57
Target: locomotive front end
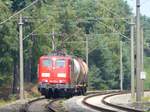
53, 74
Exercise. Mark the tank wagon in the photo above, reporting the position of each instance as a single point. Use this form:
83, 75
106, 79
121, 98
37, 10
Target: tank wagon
61, 75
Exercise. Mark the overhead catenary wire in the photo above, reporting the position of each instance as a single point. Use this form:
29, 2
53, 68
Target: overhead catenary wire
75, 42
102, 47
96, 48
36, 2
114, 30
113, 13
39, 0
27, 36
15, 14
111, 28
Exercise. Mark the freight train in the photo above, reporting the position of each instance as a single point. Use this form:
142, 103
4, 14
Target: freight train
61, 75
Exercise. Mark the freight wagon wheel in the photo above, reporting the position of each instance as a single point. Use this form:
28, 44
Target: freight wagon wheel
82, 92
83, 89
72, 92
78, 92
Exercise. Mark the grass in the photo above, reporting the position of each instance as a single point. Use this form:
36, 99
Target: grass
30, 92
4, 102
146, 99
147, 70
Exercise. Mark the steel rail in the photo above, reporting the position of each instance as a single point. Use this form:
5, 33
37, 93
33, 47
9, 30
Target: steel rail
118, 106
50, 107
115, 106
97, 107
26, 106
129, 109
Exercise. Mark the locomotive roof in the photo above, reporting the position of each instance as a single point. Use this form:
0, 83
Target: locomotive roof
47, 56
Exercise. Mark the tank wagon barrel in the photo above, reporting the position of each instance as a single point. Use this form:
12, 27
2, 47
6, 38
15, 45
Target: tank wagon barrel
80, 71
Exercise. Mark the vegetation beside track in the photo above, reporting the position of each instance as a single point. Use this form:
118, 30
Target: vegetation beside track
71, 21
30, 93
147, 69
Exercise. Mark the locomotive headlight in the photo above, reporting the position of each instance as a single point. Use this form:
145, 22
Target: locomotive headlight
45, 74
45, 80
63, 75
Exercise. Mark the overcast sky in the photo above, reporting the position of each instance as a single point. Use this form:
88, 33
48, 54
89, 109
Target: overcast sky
145, 6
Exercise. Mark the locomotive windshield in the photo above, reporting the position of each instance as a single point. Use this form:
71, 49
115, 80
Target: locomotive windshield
47, 62
60, 63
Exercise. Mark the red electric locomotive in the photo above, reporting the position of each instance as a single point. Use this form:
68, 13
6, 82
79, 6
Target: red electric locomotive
61, 75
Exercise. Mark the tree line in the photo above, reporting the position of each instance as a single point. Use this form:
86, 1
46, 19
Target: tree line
72, 21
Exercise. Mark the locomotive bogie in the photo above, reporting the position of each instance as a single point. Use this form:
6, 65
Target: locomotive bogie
62, 92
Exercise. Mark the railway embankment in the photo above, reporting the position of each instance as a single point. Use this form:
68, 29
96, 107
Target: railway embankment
15, 106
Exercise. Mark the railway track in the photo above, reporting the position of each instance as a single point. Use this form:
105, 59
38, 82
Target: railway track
105, 106
39, 105
94, 100
50, 106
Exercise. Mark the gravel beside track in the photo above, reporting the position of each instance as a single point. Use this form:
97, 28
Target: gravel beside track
57, 105
124, 100
17, 106
12, 107
96, 102
45, 105
50, 107
75, 105
37, 106
103, 102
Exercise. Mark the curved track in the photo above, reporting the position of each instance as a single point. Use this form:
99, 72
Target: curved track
128, 109
98, 102
50, 107
40, 105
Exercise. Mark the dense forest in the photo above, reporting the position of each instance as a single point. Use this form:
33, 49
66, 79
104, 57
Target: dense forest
104, 22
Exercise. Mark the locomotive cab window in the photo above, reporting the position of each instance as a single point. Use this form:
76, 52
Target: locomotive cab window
60, 63
47, 62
